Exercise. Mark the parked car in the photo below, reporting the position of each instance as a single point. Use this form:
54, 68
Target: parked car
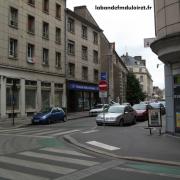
157, 105
49, 115
117, 115
142, 111
97, 109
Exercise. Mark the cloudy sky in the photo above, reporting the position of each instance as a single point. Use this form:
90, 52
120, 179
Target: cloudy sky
127, 28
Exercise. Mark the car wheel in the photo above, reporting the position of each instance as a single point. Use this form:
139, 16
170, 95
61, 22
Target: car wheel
121, 122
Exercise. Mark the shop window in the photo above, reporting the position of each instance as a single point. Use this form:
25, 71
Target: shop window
45, 95
58, 98
30, 98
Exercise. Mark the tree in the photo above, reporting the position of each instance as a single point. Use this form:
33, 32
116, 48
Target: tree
134, 93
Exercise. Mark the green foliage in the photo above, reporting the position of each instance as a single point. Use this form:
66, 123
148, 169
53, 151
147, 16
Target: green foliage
134, 93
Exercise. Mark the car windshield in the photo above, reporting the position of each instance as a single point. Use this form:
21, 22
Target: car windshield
155, 105
98, 106
46, 109
116, 109
139, 107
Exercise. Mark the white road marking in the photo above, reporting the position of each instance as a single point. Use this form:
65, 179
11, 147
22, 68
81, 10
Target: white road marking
58, 158
90, 131
66, 151
37, 131
14, 175
49, 132
102, 145
65, 132
36, 165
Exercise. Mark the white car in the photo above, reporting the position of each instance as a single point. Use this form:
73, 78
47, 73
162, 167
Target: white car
97, 109
118, 115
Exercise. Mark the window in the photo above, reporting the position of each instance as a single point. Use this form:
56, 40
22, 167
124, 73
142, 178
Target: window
58, 11
45, 97
71, 48
84, 73
12, 48
45, 56
84, 52
46, 6
30, 53
13, 20
31, 24
96, 75
31, 2
58, 59
71, 70
30, 98
84, 32
71, 25
95, 37
141, 78
45, 30
58, 35
95, 56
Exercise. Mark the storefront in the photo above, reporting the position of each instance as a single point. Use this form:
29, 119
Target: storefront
81, 96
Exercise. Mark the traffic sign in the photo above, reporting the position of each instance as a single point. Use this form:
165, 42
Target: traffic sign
103, 75
103, 85
103, 94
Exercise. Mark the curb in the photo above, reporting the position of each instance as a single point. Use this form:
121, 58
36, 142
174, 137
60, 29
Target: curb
73, 141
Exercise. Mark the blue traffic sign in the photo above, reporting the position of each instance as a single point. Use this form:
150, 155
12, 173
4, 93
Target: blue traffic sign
104, 76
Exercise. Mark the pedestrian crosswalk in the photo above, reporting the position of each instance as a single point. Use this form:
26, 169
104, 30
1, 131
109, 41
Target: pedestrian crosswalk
37, 132
45, 163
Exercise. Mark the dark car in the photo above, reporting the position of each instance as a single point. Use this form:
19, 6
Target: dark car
142, 111
157, 105
49, 115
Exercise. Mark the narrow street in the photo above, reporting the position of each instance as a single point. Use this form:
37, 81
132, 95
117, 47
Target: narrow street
40, 152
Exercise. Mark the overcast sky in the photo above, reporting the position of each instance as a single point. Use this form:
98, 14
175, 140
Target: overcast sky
127, 28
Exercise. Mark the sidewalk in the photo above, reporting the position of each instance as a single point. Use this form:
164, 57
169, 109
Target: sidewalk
20, 122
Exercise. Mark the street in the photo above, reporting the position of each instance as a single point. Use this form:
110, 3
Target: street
40, 152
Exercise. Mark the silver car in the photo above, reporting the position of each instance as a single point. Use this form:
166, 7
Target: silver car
118, 115
97, 109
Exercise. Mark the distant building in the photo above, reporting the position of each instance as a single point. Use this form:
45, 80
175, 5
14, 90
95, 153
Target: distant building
157, 93
167, 47
116, 70
137, 66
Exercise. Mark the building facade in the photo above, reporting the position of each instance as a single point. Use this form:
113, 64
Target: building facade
116, 71
167, 47
83, 59
32, 54
137, 66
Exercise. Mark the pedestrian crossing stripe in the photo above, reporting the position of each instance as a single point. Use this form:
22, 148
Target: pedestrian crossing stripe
58, 158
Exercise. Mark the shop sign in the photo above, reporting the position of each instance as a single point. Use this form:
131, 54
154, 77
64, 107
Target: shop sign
155, 119
75, 86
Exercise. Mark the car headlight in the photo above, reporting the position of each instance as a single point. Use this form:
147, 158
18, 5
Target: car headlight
43, 117
99, 118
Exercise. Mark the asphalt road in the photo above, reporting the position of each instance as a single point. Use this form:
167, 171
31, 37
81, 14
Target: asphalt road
39, 152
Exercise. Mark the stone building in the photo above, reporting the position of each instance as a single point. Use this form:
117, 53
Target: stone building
32, 53
167, 47
137, 66
83, 59
116, 70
